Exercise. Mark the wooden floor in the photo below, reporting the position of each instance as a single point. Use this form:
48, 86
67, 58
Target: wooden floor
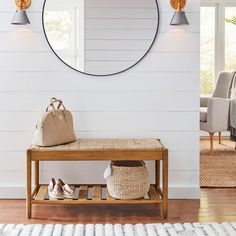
215, 205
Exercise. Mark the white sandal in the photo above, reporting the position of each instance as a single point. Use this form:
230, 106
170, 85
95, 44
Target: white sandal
55, 190
67, 190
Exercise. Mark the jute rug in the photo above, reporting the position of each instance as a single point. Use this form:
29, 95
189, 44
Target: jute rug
196, 229
219, 170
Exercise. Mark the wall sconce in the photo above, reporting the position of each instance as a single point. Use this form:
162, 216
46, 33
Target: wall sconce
20, 17
179, 17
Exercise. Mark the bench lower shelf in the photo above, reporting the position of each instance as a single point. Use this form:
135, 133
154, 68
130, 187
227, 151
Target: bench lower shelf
93, 194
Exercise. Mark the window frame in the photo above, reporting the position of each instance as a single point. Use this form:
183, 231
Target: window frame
215, 43
230, 4
220, 6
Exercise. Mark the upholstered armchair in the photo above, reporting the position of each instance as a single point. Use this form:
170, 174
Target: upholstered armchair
214, 111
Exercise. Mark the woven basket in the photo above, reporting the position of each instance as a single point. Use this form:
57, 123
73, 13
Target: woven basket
129, 180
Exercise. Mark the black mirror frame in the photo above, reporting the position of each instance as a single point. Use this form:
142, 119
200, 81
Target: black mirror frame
154, 39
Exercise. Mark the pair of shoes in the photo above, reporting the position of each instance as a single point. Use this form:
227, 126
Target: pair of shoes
57, 189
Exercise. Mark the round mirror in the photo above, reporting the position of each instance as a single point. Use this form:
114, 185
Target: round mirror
100, 37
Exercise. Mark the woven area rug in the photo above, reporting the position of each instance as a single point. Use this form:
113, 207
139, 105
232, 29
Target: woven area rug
187, 229
219, 170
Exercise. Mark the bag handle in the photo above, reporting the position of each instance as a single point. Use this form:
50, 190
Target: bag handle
54, 100
143, 163
60, 103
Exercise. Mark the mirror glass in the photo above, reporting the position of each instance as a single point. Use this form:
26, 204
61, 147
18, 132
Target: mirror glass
100, 37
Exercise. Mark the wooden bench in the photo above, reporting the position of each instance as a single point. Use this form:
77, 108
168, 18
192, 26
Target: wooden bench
98, 150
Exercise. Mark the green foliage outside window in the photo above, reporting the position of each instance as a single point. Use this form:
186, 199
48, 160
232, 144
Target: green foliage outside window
207, 50
232, 20
207, 82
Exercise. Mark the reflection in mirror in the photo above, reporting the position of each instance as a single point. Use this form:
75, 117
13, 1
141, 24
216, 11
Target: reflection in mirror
100, 37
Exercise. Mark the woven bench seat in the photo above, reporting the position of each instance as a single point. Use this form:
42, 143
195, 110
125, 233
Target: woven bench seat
105, 144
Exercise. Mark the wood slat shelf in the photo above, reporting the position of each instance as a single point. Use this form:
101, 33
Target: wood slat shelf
93, 194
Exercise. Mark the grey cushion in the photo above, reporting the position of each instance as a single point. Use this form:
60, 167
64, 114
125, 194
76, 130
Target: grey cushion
203, 114
222, 85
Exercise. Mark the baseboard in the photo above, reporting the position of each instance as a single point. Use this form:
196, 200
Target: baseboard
12, 192
184, 193
174, 193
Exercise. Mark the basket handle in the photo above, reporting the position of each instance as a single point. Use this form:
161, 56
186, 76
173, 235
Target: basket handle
141, 162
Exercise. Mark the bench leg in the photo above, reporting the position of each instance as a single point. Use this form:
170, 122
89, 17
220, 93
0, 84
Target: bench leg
28, 185
36, 173
165, 183
157, 174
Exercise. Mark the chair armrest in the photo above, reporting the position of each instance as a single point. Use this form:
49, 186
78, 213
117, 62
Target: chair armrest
218, 114
203, 101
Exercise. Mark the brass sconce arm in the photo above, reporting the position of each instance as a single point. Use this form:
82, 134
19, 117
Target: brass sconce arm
23, 4
178, 4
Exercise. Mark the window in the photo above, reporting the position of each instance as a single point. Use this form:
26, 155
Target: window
230, 40
207, 49
218, 41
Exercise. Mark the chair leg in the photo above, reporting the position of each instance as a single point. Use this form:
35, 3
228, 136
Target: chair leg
220, 138
211, 142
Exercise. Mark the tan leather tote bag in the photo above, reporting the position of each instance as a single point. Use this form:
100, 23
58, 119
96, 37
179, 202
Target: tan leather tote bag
55, 127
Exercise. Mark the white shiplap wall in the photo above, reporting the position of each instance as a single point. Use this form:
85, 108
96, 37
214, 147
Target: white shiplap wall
117, 33
157, 98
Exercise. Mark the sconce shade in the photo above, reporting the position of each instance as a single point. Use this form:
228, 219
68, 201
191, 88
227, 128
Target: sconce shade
179, 18
20, 18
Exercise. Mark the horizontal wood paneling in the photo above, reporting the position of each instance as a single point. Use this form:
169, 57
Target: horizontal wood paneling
121, 3
100, 57
192, 6
139, 45
157, 98
179, 62
120, 12
116, 18
187, 42
33, 42
73, 81
121, 24
164, 5
121, 101
145, 24
94, 121
119, 29
36, 42
36, 23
